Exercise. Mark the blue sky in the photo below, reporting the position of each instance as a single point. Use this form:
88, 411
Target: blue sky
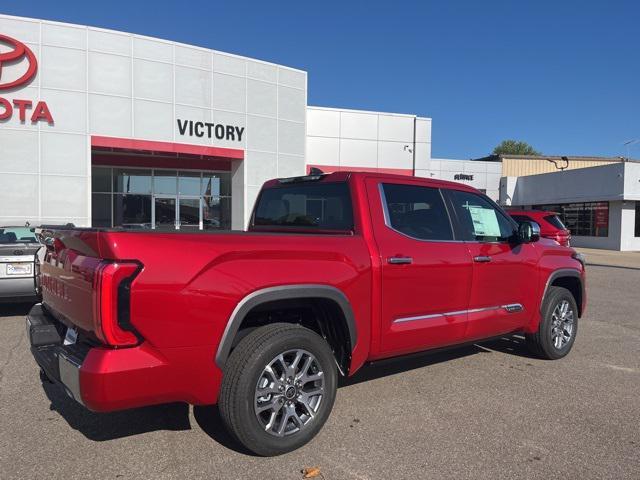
561, 75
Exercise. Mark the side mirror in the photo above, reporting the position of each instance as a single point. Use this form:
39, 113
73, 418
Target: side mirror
528, 232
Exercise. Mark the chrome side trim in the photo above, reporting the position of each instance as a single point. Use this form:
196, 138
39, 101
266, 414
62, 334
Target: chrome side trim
513, 307
509, 308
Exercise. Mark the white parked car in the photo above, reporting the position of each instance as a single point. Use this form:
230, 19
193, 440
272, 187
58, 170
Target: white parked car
18, 246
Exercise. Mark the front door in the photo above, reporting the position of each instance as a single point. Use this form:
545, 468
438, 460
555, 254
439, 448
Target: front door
164, 212
504, 270
425, 270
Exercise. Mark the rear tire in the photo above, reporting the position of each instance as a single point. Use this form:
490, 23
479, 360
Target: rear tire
558, 327
278, 388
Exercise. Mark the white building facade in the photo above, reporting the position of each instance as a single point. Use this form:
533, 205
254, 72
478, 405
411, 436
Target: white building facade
341, 139
111, 129
485, 176
106, 128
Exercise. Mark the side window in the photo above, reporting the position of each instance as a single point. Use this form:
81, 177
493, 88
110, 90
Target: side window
415, 211
479, 219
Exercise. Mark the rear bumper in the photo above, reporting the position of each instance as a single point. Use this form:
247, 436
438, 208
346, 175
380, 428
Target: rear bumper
17, 289
60, 362
104, 379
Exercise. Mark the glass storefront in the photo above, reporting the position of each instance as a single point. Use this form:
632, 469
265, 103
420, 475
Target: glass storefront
588, 219
160, 199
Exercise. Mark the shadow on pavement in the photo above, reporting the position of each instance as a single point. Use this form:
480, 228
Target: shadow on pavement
101, 427
209, 420
14, 309
108, 426
393, 366
175, 417
512, 345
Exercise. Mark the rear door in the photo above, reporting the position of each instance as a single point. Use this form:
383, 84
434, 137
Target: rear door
426, 271
504, 271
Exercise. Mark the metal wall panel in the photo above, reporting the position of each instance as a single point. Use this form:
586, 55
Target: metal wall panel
378, 141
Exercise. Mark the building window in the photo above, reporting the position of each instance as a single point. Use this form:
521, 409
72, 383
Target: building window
158, 198
589, 219
131, 181
101, 210
637, 229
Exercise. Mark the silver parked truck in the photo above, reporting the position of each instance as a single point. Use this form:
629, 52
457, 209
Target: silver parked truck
18, 246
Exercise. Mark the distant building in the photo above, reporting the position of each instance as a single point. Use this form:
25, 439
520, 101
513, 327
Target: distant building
520, 165
600, 204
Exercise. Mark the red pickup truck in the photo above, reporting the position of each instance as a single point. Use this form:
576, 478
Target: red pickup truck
336, 270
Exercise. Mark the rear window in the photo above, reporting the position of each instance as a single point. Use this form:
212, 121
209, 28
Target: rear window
12, 235
555, 221
313, 206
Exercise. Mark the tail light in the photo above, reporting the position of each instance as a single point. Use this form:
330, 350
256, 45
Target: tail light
563, 238
111, 303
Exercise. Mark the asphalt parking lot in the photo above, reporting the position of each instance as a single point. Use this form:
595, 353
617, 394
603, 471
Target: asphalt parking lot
488, 411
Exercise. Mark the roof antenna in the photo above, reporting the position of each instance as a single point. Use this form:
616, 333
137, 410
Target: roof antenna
315, 171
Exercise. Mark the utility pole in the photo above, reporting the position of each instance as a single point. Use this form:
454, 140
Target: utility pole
629, 143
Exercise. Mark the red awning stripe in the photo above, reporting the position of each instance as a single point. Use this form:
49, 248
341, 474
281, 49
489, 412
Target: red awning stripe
170, 147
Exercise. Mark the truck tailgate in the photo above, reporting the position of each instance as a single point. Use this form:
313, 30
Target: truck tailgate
83, 290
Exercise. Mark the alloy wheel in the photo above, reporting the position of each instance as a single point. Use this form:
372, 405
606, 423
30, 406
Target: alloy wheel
562, 322
289, 392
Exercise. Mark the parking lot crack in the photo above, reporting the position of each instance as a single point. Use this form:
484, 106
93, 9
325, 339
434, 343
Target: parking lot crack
12, 351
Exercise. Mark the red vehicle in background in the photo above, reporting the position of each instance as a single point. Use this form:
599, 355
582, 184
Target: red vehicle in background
550, 224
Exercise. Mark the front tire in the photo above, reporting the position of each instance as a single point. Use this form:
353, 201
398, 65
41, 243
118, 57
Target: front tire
278, 388
558, 327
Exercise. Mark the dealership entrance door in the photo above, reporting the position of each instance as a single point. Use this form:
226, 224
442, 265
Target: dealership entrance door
160, 199
170, 212
140, 184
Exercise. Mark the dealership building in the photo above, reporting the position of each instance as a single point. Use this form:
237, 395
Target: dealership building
111, 129
105, 128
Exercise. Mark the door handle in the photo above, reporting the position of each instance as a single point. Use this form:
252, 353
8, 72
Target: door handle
399, 260
482, 259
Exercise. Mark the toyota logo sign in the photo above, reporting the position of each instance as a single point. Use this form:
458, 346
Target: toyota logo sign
18, 51
11, 58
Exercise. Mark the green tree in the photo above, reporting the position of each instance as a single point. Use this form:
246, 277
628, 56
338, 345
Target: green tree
515, 147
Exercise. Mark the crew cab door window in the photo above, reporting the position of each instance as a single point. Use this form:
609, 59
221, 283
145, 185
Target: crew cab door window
479, 219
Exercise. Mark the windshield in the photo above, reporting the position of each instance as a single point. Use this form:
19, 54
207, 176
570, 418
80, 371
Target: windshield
555, 221
13, 235
305, 206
